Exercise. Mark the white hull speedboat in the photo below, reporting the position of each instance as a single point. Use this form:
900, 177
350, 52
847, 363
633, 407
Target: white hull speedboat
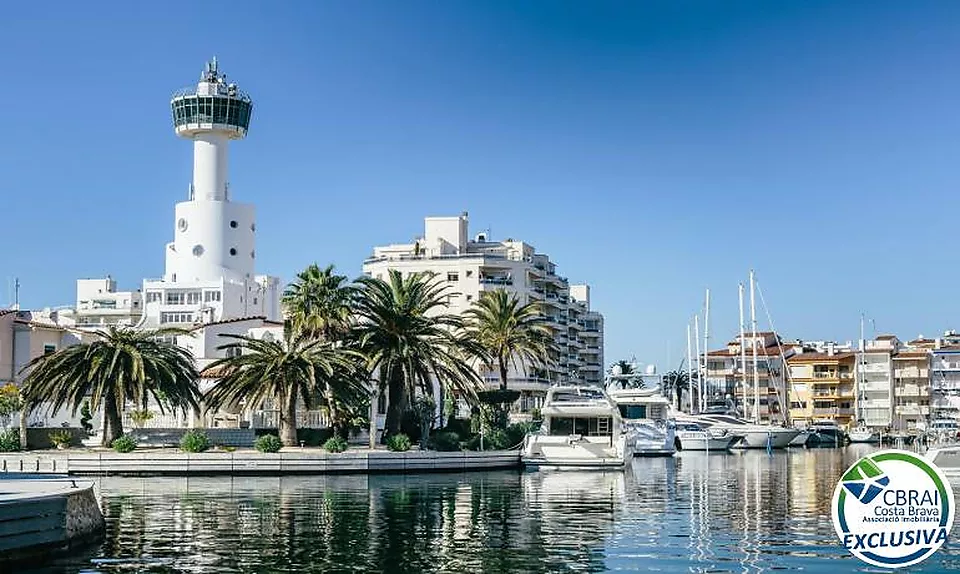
863, 435
644, 410
753, 435
691, 436
582, 429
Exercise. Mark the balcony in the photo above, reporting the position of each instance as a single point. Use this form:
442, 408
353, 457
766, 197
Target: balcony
485, 280
908, 410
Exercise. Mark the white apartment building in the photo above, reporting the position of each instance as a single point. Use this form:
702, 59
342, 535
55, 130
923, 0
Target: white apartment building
911, 389
473, 265
99, 304
945, 384
875, 376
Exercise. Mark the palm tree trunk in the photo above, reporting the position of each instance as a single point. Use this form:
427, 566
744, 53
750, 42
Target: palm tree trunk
335, 422
112, 423
288, 420
502, 364
24, 415
396, 403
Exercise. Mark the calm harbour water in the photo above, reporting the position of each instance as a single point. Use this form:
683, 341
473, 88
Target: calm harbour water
741, 512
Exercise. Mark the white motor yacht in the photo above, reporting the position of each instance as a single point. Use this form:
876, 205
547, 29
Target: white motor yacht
582, 429
753, 435
644, 410
863, 434
691, 436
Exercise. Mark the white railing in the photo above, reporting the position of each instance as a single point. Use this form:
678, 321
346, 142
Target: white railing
305, 419
159, 421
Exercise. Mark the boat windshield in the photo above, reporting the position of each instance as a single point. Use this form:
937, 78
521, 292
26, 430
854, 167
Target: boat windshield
584, 426
688, 427
633, 411
725, 419
577, 396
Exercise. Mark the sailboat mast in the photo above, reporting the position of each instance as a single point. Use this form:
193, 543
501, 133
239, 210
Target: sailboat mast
696, 337
689, 371
860, 374
756, 373
706, 348
743, 353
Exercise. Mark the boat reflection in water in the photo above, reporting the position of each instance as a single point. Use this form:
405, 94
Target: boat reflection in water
751, 511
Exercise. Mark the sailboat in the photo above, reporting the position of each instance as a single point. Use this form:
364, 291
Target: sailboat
754, 433
863, 433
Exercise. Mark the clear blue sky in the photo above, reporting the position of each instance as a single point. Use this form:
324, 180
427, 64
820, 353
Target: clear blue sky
653, 149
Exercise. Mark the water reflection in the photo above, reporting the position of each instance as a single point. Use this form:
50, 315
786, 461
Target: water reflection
742, 512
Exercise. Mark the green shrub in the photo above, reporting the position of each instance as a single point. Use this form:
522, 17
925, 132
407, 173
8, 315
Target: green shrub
125, 443
494, 439
268, 443
85, 417
194, 441
335, 444
445, 441
517, 431
62, 436
399, 442
536, 414
10, 440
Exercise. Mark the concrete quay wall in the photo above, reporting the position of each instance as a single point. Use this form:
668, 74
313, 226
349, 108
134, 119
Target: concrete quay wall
294, 461
39, 517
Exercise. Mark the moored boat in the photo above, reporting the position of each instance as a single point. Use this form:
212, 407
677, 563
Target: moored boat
863, 434
753, 435
691, 436
946, 458
644, 410
582, 429
825, 434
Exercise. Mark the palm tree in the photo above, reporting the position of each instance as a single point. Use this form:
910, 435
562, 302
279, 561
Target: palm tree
410, 340
318, 304
121, 365
677, 381
626, 367
287, 372
508, 332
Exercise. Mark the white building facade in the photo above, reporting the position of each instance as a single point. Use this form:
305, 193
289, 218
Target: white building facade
875, 378
210, 264
471, 266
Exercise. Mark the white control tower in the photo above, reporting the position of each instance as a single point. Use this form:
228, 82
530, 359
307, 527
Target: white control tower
209, 273
214, 236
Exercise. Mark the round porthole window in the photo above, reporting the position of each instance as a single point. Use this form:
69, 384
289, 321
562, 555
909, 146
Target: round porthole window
233, 251
182, 224
233, 224
197, 250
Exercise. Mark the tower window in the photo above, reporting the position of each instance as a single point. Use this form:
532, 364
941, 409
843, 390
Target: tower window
253, 254
197, 250
253, 227
233, 224
233, 251
182, 224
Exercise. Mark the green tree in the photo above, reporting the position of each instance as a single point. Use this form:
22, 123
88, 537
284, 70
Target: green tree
677, 382
626, 367
120, 365
508, 332
317, 304
410, 339
9, 402
287, 372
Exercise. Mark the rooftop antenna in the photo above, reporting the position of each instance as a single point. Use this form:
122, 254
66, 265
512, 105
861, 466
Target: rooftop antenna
16, 293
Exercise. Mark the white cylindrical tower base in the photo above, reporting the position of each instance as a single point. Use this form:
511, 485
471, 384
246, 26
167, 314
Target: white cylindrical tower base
210, 160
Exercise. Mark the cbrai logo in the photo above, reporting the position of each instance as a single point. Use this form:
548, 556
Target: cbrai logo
893, 509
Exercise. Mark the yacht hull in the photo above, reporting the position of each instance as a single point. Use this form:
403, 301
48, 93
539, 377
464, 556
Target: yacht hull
864, 437
776, 438
707, 443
